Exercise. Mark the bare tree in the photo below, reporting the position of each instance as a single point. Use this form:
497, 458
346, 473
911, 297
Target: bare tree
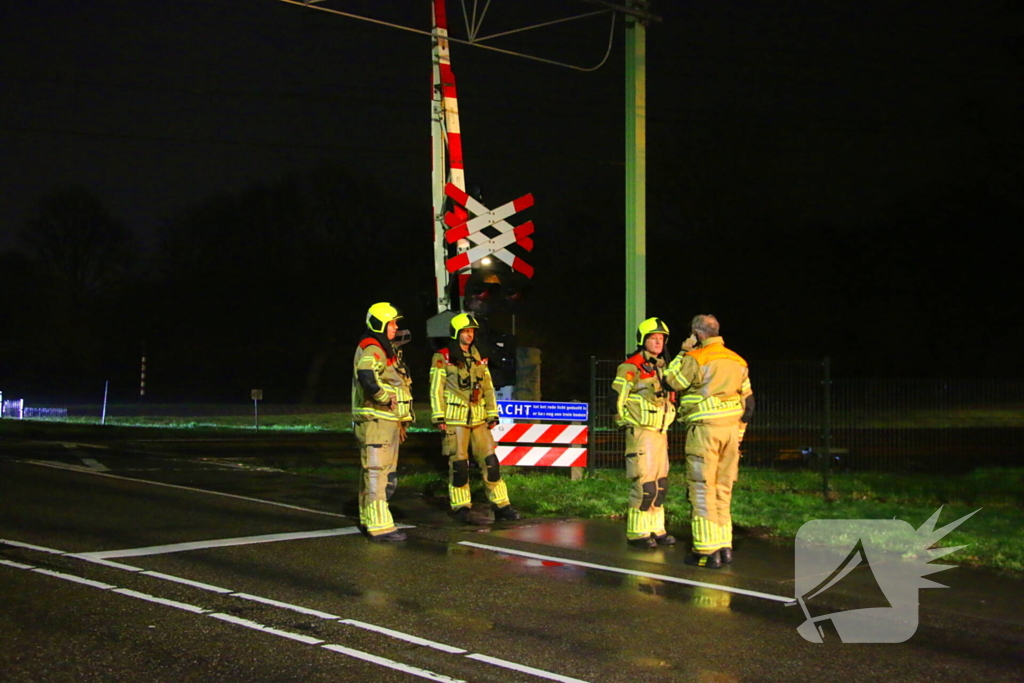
77, 242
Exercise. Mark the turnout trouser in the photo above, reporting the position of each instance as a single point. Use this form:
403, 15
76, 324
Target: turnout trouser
458, 442
378, 450
712, 465
647, 468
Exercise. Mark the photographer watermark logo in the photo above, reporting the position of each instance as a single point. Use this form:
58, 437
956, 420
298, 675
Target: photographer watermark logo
891, 559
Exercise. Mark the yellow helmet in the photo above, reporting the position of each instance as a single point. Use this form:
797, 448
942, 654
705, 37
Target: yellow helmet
461, 322
650, 326
379, 315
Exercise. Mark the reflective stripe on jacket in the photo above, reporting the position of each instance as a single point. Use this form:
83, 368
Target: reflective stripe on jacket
643, 399
454, 386
714, 381
392, 378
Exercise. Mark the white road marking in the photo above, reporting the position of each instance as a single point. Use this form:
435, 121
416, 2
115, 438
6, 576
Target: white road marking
95, 465
632, 572
75, 468
18, 544
219, 543
72, 577
187, 582
309, 640
63, 466
106, 563
525, 669
391, 664
17, 565
285, 605
160, 601
405, 636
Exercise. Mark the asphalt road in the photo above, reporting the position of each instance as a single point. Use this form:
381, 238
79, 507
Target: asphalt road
181, 565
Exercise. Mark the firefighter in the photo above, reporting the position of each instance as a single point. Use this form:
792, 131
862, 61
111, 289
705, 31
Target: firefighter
463, 406
717, 402
645, 409
381, 413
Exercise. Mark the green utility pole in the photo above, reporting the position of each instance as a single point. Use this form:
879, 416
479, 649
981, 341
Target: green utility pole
636, 173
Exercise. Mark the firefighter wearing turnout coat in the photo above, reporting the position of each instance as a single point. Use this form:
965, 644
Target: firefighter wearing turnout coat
463, 406
717, 402
644, 408
381, 413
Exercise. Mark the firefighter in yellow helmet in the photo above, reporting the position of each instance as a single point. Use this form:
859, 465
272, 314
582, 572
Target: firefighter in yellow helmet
717, 402
381, 413
463, 406
645, 409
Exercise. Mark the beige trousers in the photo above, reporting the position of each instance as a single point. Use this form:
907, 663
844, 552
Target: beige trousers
712, 466
647, 467
378, 451
458, 443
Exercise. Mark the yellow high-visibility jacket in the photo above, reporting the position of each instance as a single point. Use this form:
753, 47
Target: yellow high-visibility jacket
461, 395
643, 398
384, 378
714, 383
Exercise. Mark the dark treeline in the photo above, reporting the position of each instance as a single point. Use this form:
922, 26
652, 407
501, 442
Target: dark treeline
267, 288
257, 289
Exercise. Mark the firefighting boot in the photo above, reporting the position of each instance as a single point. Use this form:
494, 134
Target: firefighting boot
726, 555
394, 536
645, 542
506, 514
665, 539
712, 561
466, 516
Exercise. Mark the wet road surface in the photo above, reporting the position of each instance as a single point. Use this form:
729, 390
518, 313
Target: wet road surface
170, 565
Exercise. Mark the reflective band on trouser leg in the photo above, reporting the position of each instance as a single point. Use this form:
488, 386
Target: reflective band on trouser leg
702, 465
497, 492
457, 445
658, 522
707, 536
459, 496
638, 523
376, 517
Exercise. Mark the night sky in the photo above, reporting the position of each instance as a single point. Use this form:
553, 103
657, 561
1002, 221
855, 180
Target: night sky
829, 178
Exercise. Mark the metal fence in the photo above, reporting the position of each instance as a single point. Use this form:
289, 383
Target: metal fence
939, 426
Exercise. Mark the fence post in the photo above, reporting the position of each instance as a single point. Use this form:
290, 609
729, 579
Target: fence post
591, 412
826, 433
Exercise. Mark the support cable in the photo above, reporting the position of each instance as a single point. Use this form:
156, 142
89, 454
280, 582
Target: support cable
611, 34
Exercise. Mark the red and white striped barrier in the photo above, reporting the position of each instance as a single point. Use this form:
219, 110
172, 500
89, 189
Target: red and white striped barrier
541, 445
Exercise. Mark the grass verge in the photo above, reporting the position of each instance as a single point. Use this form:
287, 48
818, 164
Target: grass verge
772, 504
340, 421
766, 503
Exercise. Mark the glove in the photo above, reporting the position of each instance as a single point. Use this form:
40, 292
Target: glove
491, 422
441, 426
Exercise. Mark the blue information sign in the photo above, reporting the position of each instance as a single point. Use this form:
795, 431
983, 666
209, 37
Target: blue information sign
543, 410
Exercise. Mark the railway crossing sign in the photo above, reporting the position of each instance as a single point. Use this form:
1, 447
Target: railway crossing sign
471, 229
